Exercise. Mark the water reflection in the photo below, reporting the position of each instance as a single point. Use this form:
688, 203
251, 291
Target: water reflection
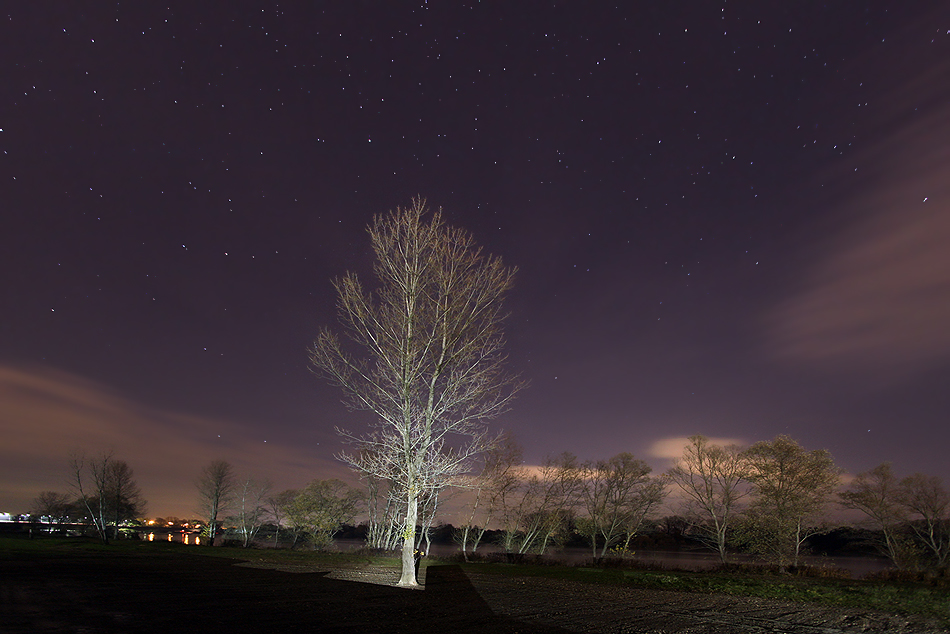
859, 566
177, 537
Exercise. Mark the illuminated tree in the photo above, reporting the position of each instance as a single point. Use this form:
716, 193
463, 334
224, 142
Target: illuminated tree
250, 508
791, 487
428, 510
321, 509
537, 507
877, 494
498, 474
618, 495
925, 497
385, 511
424, 356
711, 478
277, 509
216, 489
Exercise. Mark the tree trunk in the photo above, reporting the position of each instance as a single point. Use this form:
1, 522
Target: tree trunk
479, 533
721, 542
464, 541
408, 578
103, 530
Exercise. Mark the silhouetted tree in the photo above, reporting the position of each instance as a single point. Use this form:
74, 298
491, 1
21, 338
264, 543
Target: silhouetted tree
216, 489
124, 500
52, 506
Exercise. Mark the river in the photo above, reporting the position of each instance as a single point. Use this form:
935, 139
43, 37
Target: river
859, 566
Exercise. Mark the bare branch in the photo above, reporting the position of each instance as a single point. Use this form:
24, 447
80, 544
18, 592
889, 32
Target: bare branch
424, 354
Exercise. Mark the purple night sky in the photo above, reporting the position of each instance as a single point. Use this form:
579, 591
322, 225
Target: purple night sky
729, 219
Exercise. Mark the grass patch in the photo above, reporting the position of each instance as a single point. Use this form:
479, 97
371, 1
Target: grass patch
16, 548
920, 598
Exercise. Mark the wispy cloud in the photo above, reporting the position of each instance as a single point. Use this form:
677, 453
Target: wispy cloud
672, 448
878, 300
56, 413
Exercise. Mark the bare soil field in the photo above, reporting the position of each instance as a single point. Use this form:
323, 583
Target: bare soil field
168, 591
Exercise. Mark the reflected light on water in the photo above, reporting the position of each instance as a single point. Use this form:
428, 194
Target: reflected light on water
180, 537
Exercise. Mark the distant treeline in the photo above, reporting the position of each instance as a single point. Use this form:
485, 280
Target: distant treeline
772, 500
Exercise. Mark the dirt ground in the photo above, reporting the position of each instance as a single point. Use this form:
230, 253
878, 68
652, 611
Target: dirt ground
95, 593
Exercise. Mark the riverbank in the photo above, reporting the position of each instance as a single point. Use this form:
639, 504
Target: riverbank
74, 585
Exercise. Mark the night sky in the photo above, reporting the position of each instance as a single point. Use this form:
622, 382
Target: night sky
728, 218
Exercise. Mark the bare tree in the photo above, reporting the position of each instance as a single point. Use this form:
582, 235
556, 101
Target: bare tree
52, 506
386, 504
428, 511
537, 507
249, 507
877, 494
88, 477
925, 496
107, 490
428, 358
617, 495
645, 501
216, 489
385, 510
497, 475
791, 488
710, 476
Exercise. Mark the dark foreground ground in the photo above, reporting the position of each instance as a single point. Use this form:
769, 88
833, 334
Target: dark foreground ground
173, 592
